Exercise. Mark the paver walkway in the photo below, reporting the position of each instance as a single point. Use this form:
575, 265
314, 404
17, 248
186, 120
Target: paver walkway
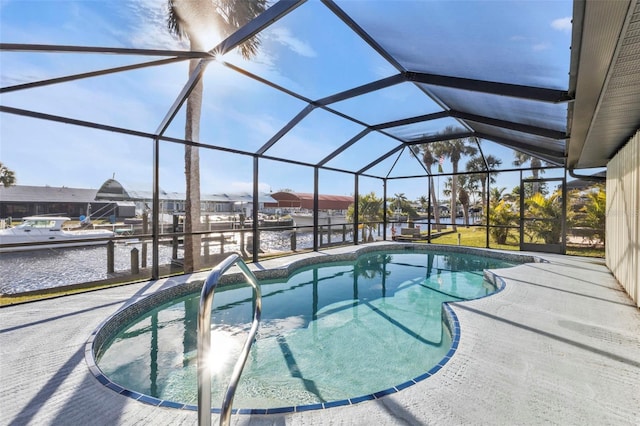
559, 345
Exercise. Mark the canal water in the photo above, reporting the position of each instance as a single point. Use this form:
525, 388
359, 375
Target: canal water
48, 268
35, 270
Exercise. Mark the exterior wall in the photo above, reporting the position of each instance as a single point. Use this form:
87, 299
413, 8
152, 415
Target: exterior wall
19, 210
623, 217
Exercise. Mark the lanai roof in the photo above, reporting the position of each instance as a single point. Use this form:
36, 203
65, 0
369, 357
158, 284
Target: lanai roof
392, 75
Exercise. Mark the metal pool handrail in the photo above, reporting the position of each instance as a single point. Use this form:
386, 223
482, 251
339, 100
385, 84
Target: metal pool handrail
204, 341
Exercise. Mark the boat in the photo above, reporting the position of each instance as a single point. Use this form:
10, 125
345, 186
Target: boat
35, 231
324, 218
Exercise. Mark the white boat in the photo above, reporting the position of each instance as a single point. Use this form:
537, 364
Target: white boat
324, 218
34, 231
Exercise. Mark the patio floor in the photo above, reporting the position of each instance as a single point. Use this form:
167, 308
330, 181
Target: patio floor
559, 345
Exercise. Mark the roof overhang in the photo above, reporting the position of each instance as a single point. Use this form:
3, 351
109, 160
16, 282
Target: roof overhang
605, 79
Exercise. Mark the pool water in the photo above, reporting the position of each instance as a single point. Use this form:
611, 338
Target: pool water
330, 332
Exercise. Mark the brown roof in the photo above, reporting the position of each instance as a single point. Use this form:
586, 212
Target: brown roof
304, 200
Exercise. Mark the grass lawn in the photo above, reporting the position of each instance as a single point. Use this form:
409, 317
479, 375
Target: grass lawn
585, 250
6, 300
477, 237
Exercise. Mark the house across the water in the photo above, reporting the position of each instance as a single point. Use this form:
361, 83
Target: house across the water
113, 201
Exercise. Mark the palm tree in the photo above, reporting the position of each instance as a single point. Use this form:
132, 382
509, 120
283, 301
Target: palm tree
454, 149
399, 200
549, 212
535, 163
466, 187
477, 164
447, 187
197, 21
7, 176
595, 211
428, 159
501, 215
496, 193
423, 201
369, 213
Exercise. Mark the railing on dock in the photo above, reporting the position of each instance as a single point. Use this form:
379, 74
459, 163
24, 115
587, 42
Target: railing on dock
204, 341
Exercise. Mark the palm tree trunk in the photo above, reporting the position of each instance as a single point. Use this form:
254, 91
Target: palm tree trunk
483, 182
465, 212
454, 196
192, 245
434, 202
535, 162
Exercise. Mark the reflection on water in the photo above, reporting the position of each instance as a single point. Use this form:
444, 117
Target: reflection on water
351, 318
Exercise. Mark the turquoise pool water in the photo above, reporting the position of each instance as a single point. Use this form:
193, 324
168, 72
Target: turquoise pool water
330, 332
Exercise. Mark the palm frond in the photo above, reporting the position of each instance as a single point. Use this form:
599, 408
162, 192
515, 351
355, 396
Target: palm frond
174, 23
236, 14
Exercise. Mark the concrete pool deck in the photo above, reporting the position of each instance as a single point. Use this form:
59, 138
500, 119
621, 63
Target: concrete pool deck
559, 345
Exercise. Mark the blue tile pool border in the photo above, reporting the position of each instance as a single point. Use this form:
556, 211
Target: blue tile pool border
113, 324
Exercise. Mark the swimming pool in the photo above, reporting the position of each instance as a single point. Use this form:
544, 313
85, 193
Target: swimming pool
333, 333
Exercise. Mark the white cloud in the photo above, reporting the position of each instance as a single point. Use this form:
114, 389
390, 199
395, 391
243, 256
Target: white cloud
540, 46
238, 186
284, 37
151, 30
562, 24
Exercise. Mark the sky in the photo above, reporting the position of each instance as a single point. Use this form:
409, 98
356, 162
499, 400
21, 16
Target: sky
310, 51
